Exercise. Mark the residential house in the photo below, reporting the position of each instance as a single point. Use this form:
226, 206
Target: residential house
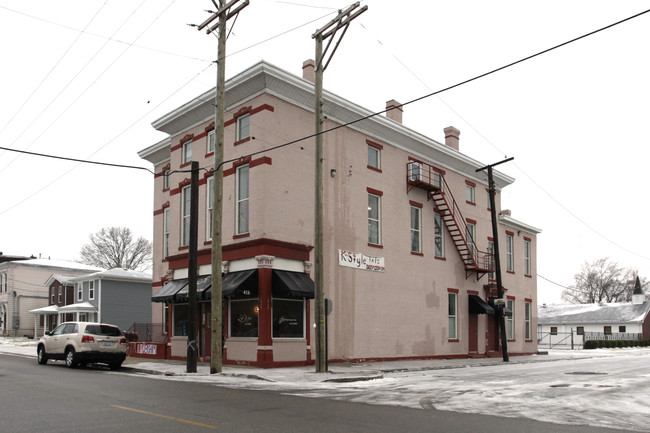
407, 232
61, 293
22, 288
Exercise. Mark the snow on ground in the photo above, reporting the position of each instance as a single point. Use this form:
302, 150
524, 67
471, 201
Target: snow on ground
601, 388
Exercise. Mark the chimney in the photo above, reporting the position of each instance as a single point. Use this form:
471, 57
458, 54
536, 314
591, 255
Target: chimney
309, 70
451, 137
395, 111
506, 212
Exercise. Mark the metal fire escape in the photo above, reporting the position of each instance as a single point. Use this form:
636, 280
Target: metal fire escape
424, 176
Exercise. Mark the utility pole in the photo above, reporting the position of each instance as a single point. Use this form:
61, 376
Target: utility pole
497, 258
342, 21
192, 269
223, 14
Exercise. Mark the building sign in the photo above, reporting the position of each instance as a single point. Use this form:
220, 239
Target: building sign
361, 261
146, 349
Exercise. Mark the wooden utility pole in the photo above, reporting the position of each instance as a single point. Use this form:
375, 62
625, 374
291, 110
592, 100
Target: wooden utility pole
192, 269
497, 258
342, 21
223, 13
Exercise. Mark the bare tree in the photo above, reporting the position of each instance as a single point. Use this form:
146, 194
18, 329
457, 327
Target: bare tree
114, 247
601, 281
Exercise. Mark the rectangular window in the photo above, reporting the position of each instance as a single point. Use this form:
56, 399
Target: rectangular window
374, 157
242, 217
553, 330
187, 152
470, 194
489, 202
374, 219
415, 171
416, 234
60, 295
527, 316
527, 245
471, 240
244, 317
437, 180
243, 126
210, 147
580, 330
607, 330
439, 235
510, 262
80, 292
185, 216
165, 317
210, 200
181, 318
621, 329
166, 226
166, 179
491, 262
91, 290
53, 293
453, 316
510, 320
288, 318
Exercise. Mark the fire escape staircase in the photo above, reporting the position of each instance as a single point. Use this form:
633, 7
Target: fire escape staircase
424, 176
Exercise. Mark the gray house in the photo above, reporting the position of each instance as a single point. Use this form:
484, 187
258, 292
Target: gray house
117, 296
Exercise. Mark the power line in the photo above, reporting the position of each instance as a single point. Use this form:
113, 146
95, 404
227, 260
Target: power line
552, 282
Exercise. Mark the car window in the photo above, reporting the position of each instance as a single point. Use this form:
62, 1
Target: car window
59, 329
70, 328
110, 331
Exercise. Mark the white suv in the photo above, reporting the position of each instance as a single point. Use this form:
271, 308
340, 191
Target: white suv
83, 343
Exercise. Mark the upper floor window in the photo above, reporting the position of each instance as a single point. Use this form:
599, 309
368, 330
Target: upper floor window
243, 126
166, 174
242, 206
185, 216
416, 233
439, 235
374, 219
53, 293
210, 200
80, 292
91, 290
471, 240
510, 320
60, 294
470, 192
211, 137
510, 260
374, 157
166, 227
527, 245
186, 152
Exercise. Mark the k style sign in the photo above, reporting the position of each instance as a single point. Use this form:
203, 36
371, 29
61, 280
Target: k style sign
361, 261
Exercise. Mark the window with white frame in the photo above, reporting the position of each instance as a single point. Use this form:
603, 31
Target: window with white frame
374, 157
185, 216
510, 320
416, 232
210, 144
510, 259
210, 201
471, 240
492, 261
186, 152
470, 193
53, 293
166, 227
439, 235
243, 199
243, 126
60, 294
527, 317
437, 180
527, 245
489, 202
453, 315
80, 292
166, 174
288, 318
374, 219
91, 290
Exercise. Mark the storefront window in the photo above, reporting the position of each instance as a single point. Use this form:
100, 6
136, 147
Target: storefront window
244, 314
288, 318
181, 319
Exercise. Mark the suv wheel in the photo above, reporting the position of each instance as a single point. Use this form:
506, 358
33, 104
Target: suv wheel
115, 366
42, 356
70, 358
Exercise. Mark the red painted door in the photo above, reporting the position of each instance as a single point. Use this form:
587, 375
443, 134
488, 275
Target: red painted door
473, 333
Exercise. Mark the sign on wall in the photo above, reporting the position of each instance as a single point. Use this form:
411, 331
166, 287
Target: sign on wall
361, 261
146, 349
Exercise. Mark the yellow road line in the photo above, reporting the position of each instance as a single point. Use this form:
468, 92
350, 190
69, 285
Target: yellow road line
166, 417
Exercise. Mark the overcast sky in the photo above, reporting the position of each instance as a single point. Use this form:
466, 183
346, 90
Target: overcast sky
85, 79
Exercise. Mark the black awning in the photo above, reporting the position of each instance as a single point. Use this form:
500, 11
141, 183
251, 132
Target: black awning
202, 285
479, 306
169, 290
292, 285
236, 284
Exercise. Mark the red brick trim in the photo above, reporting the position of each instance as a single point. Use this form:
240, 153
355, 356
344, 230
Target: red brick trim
416, 204
374, 191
